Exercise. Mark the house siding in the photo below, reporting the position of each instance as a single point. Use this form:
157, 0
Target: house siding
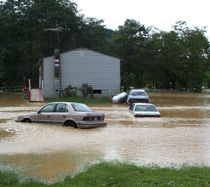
100, 71
48, 71
79, 66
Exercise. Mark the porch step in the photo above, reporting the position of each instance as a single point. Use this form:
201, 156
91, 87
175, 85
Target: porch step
36, 95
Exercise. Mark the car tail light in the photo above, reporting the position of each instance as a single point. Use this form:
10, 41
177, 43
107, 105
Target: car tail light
145, 101
86, 119
131, 101
137, 115
158, 116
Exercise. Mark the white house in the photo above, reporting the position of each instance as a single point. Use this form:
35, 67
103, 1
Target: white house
100, 71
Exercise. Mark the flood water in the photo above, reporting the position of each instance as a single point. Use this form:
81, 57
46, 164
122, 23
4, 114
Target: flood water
49, 152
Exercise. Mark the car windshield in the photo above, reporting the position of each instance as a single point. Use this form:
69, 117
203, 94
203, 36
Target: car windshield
145, 108
138, 93
81, 107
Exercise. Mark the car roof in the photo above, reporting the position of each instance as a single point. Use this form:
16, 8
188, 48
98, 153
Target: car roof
143, 104
64, 103
134, 90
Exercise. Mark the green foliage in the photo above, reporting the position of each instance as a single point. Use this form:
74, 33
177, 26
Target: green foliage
194, 56
128, 79
9, 179
12, 179
28, 33
177, 59
32, 29
71, 91
130, 43
87, 91
122, 174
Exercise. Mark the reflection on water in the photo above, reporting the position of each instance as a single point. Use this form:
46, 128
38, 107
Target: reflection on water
180, 136
11, 99
48, 165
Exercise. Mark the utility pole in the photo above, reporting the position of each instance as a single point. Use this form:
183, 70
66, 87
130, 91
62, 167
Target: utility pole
56, 29
57, 68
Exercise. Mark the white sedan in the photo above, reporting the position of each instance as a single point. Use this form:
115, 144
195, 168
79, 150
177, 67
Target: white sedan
67, 113
144, 110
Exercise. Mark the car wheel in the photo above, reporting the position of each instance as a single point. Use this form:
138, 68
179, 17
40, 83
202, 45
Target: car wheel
27, 120
70, 123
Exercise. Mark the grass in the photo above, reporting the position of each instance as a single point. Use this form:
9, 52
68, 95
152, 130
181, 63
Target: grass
102, 100
122, 174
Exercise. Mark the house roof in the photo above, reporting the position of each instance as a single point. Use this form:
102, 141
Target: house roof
78, 49
83, 48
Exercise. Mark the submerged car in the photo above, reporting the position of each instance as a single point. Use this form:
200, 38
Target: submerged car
77, 115
137, 96
144, 110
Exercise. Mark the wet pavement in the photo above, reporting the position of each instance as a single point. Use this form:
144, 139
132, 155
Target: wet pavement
49, 152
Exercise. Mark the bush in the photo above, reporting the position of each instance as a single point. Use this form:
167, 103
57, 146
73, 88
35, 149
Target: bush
71, 91
87, 91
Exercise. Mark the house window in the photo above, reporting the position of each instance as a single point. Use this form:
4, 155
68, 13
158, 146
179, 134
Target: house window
97, 91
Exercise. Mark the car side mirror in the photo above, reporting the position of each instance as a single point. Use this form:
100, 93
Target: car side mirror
39, 112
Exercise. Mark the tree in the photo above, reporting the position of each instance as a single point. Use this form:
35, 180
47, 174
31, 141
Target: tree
130, 45
194, 56
169, 57
10, 51
178, 58
29, 31
95, 36
155, 75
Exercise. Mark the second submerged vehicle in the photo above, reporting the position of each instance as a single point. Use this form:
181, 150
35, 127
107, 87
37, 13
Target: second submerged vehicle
137, 96
144, 110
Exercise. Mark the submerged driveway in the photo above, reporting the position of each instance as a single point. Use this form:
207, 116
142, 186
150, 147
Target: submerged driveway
180, 136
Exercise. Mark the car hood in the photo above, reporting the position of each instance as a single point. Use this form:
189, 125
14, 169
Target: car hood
29, 114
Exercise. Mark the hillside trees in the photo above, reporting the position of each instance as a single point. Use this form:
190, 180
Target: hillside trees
195, 56
165, 57
10, 52
32, 29
130, 42
182, 57
176, 59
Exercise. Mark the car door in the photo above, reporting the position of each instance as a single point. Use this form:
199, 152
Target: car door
45, 114
61, 113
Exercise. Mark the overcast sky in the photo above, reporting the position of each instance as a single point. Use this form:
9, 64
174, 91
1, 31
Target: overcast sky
159, 13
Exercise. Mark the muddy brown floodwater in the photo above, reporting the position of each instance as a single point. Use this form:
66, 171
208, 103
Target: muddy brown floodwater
49, 152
